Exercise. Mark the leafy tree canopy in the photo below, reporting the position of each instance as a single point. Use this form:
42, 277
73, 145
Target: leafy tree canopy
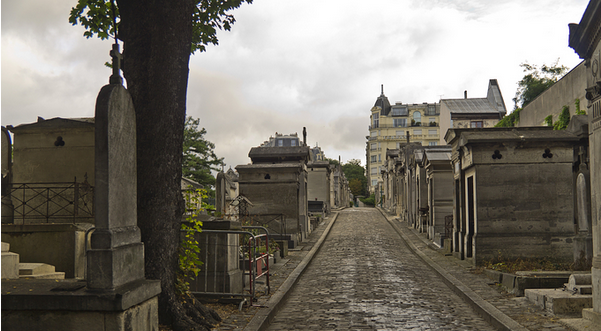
355, 186
199, 156
536, 81
332, 161
354, 171
96, 16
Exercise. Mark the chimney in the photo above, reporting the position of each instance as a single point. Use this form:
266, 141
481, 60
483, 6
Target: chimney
465, 94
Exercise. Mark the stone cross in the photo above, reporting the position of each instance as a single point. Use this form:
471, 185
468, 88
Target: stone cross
117, 58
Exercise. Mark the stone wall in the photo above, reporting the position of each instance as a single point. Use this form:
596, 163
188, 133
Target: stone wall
564, 92
275, 189
61, 245
525, 211
39, 155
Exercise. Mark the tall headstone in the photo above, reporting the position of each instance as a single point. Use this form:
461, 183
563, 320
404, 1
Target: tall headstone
117, 254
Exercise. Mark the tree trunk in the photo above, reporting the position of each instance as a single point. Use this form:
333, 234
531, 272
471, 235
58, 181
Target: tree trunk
157, 37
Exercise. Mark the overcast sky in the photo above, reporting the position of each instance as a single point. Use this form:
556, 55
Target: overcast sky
289, 64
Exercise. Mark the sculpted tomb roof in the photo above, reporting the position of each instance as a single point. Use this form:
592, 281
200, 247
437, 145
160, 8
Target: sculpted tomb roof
495, 135
53, 123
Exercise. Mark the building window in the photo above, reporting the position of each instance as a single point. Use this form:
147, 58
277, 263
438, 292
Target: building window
374, 133
432, 143
379, 156
374, 182
476, 124
280, 142
293, 142
374, 171
399, 111
431, 110
398, 145
417, 118
415, 132
376, 119
399, 122
432, 132
373, 159
400, 133
374, 146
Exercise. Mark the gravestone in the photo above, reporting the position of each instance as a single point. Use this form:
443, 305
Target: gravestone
117, 254
115, 295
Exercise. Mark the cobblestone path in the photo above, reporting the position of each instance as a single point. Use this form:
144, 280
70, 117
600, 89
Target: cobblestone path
365, 278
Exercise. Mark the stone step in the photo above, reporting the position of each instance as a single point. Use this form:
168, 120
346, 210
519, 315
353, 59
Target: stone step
28, 269
558, 301
39, 271
50, 275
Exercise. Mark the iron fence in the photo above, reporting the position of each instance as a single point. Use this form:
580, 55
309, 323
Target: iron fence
60, 202
225, 257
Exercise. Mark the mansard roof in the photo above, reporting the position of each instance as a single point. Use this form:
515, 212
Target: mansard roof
383, 103
471, 105
493, 104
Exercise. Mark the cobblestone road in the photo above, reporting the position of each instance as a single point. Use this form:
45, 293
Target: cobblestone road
364, 277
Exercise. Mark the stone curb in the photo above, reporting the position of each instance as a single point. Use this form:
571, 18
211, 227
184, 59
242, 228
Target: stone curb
263, 317
489, 312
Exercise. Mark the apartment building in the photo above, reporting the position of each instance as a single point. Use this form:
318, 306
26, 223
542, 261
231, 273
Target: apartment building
392, 125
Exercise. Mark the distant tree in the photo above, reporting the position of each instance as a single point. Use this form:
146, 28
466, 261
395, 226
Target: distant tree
353, 170
332, 161
536, 81
198, 155
356, 186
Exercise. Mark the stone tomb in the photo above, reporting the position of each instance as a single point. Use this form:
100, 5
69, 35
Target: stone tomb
439, 173
319, 186
276, 183
585, 42
115, 295
220, 254
513, 193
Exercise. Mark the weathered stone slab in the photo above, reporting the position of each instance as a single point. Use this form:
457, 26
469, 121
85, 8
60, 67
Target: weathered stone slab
117, 254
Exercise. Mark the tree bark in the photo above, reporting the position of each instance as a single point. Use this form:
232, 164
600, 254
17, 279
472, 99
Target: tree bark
157, 37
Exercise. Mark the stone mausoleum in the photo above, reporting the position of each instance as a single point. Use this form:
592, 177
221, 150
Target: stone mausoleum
513, 193
276, 184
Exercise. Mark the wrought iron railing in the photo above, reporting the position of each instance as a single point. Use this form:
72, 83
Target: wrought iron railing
61, 202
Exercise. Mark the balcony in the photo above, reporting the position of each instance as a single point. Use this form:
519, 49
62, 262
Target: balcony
420, 124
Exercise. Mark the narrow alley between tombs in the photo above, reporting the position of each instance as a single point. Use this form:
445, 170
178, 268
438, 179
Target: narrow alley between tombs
365, 277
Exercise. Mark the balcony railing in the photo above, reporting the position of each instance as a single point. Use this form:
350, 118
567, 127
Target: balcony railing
417, 124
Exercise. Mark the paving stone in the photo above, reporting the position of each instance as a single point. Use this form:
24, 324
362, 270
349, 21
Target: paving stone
365, 269
369, 280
